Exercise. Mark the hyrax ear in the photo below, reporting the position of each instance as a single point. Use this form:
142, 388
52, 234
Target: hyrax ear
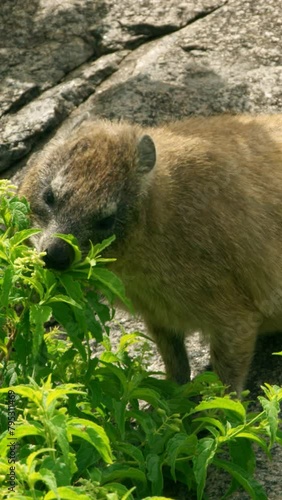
146, 152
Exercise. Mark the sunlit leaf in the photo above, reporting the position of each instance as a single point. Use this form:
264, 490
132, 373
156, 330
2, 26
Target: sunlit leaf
223, 404
92, 433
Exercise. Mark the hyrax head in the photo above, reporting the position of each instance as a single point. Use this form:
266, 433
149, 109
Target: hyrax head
89, 184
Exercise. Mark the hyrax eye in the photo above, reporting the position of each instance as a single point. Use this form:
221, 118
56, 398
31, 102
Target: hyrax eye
48, 197
107, 223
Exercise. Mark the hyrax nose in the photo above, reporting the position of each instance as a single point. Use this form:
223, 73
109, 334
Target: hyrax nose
59, 255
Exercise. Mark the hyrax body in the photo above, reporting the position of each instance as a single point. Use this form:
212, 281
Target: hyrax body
196, 207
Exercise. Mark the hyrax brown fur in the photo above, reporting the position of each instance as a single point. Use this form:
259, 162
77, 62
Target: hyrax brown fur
196, 207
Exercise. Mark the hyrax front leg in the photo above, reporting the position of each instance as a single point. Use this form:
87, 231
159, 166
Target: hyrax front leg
171, 347
231, 355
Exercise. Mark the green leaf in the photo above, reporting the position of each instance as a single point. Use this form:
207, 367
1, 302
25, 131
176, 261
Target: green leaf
20, 431
99, 247
23, 235
72, 287
251, 436
148, 395
19, 210
146, 421
57, 424
253, 488
92, 433
213, 421
62, 391
86, 457
119, 414
62, 472
154, 467
112, 282
67, 493
128, 339
132, 451
34, 429
39, 314
31, 459
6, 287
109, 357
120, 472
222, 404
94, 327
64, 315
3, 255
242, 454
206, 449
63, 298
119, 492
118, 372
180, 444
36, 285
25, 391
272, 409
102, 310
48, 477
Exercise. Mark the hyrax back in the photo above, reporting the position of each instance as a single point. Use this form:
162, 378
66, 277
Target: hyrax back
196, 207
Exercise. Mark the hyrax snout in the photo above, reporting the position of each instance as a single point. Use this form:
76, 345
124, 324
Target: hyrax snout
196, 207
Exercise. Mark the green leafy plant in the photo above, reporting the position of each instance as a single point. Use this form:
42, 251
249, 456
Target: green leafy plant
86, 425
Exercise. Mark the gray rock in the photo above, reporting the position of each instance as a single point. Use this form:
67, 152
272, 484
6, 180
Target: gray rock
43, 43
146, 61
19, 131
194, 57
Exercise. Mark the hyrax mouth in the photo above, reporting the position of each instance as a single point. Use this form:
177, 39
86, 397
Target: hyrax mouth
59, 255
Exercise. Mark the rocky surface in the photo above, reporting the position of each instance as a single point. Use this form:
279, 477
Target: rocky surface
147, 61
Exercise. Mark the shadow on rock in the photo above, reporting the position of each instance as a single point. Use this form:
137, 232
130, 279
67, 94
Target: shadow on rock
266, 366
150, 102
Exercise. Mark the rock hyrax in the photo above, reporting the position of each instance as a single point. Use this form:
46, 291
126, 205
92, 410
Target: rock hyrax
196, 207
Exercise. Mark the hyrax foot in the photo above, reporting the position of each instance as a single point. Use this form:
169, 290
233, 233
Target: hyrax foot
171, 347
231, 356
